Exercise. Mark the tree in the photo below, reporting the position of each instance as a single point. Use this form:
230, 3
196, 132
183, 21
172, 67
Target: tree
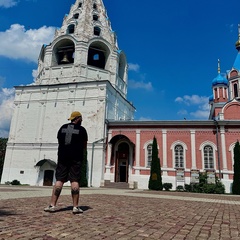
155, 179
236, 169
83, 178
3, 145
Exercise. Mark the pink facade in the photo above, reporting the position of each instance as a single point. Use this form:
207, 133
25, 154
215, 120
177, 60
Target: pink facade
131, 139
185, 147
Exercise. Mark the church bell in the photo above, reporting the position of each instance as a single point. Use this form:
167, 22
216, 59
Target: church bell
65, 58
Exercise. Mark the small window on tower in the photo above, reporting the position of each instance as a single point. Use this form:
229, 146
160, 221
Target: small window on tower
235, 86
95, 17
71, 29
97, 31
76, 16
80, 5
94, 6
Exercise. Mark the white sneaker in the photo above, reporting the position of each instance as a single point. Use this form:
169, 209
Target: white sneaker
77, 210
50, 209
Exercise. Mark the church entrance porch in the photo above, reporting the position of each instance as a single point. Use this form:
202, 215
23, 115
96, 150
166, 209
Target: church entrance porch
120, 162
48, 178
45, 171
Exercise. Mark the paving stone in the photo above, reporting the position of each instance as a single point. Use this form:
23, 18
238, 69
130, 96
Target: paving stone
119, 214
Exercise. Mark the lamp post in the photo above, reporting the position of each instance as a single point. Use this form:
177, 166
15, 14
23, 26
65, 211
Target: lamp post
218, 153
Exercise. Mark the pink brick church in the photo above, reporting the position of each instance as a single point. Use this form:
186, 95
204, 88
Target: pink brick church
185, 147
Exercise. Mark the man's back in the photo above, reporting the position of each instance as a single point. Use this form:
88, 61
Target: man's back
71, 139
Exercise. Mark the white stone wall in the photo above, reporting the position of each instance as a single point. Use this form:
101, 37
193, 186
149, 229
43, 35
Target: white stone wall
40, 112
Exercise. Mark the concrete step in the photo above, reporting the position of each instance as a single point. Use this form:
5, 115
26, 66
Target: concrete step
118, 185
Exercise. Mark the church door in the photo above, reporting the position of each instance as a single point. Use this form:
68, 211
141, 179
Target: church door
122, 163
48, 178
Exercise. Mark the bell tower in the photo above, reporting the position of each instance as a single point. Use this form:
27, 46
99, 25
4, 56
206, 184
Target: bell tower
84, 49
82, 69
225, 101
234, 74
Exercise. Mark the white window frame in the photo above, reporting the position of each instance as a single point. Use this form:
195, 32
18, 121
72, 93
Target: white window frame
184, 153
214, 148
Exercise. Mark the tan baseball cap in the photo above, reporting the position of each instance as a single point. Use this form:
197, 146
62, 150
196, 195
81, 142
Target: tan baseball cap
74, 115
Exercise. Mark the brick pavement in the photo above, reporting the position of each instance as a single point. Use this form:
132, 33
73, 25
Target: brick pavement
120, 214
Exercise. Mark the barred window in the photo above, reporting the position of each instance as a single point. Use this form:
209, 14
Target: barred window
179, 160
208, 157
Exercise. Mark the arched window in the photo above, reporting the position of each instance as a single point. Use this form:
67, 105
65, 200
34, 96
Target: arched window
208, 157
97, 31
71, 29
63, 52
76, 16
96, 58
80, 5
95, 6
149, 155
179, 160
235, 89
95, 17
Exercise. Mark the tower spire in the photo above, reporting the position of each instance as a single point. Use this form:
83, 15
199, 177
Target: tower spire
238, 41
219, 69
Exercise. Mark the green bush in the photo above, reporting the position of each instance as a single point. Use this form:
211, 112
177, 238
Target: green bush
204, 187
180, 188
187, 187
167, 186
15, 182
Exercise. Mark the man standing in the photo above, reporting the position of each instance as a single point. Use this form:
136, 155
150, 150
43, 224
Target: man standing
72, 142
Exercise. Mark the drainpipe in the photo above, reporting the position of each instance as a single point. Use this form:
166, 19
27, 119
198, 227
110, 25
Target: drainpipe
91, 172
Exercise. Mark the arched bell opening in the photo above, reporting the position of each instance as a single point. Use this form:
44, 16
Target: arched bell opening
63, 52
98, 55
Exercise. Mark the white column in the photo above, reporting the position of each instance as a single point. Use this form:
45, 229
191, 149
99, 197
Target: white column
164, 148
223, 146
109, 154
193, 149
137, 171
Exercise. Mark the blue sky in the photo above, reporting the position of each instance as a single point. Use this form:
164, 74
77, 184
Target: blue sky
172, 49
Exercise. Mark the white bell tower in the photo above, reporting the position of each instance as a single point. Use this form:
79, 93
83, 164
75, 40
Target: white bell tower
81, 70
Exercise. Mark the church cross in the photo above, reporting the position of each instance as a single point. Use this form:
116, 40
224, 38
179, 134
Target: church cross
69, 132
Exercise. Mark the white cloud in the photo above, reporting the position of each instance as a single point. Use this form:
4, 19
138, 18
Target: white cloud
141, 84
145, 119
200, 114
19, 43
8, 3
192, 100
6, 110
201, 102
34, 74
133, 67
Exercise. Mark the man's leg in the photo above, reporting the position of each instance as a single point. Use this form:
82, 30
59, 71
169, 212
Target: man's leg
56, 192
75, 193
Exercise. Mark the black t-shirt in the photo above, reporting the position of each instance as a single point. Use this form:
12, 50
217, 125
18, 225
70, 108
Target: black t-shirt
71, 140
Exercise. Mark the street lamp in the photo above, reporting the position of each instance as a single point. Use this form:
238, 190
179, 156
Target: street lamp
218, 152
